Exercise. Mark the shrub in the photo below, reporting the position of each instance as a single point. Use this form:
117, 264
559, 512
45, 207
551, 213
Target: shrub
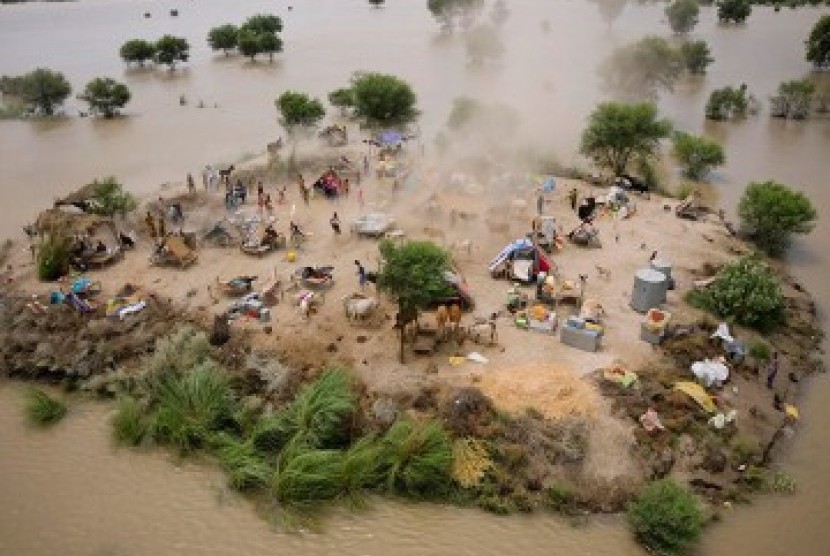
794, 99
42, 409
307, 475
416, 458
697, 155
771, 212
760, 351
246, 468
53, 257
177, 353
665, 518
561, 498
728, 102
745, 291
109, 198
129, 424
696, 56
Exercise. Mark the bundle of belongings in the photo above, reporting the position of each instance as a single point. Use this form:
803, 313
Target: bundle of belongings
248, 306
710, 372
735, 349
72, 299
698, 394
126, 302
538, 318
618, 374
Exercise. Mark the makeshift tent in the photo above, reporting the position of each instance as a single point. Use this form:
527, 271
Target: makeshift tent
390, 138
518, 247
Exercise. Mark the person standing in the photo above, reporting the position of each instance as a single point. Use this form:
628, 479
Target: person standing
360, 195
162, 230
540, 202
335, 223
281, 197
361, 275
191, 185
772, 370
151, 224
573, 196
206, 176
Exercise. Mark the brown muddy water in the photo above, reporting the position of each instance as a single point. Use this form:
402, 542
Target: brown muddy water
67, 490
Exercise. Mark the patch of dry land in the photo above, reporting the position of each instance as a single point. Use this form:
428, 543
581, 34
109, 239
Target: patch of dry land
474, 218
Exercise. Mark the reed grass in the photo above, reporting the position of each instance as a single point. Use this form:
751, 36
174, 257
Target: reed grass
42, 409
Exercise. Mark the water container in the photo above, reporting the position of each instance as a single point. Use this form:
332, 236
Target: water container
649, 289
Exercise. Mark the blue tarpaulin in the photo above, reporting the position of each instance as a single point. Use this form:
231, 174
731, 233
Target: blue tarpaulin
390, 138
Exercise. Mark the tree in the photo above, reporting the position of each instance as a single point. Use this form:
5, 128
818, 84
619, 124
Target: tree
483, 44
41, 90
342, 98
450, 13
696, 56
223, 38
138, 51
619, 133
643, 68
499, 13
105, 96
248, 43
109, 198
818, 43
263, 23
733, 11
610, 10
772, 212
270, 43
683, 15
698, 155
794, 99
728, 102
377, 3
298, 111
665, 518
383, 99
413, 274
170, 50
745, 291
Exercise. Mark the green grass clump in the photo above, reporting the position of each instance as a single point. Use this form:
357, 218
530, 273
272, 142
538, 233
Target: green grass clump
416, 458
360, 468
247, 468
129, 424
306, 475
191, 406
53, 257
561, 498
42, 409
665, 518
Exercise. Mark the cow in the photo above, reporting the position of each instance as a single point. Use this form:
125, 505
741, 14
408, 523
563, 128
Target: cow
359, 308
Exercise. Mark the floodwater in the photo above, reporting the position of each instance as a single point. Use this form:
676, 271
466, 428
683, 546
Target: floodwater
96, 501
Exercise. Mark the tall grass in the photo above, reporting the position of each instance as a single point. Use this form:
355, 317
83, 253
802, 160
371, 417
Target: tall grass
42, 409
178, 353
129, 424
192, 406
361, 467
319, 417
416, 458
305, 475
247, 468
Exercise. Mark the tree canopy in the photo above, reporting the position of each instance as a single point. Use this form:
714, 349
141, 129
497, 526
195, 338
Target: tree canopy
697, 155
137, 51
793, 100
109, 198
483, 45
696, 56
683, 15
223, 38
41, 90
772, 212
665, 518
383, 99
413, 273
270, 44
248, 43
171, 50
818, 43
342, 98
263, 23
728, 102
450, 13
299, 110
105, 96
643, 68
733, 11
619, 133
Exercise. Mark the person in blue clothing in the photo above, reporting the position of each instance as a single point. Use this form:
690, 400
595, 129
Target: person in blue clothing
362, 278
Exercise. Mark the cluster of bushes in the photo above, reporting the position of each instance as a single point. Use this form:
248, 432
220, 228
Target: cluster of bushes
168, 51
377, 99
42, 91
306, 452
258, 35
728, 103
665, 518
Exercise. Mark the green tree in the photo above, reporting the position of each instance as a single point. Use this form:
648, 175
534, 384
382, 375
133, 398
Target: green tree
665, 518
105, 96
483, 45
683, 15
223, 38
698, 155
728, 102
772, 212
263, 23
248, 43
171, 50
696, 56
137, 51
298, 111
745, 291
41, 90
342, 98
818, 43
450, 13
619, 133
109, 198
733, 11
270, 43
643, 68
413, 275
382, 99
794, 99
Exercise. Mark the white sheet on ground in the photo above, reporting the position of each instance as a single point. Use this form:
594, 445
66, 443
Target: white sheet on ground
710, 372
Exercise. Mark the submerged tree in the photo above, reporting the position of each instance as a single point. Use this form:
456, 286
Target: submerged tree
263, 23
794, 99
728, 102
772, 212
682, 15
643, 68
171, 50
818, 43
248, 43
105, 96
382, 99
696, 56
41, 91
298, 111
270, 44
697, 155
483, 45
610, 10
223, 38
137, 51
342, 98
734, 11
450, 13
619, 134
